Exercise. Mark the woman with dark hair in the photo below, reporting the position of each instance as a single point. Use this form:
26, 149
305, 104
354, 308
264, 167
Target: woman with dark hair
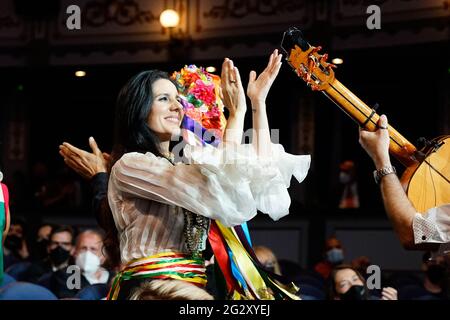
162, 207
346, 283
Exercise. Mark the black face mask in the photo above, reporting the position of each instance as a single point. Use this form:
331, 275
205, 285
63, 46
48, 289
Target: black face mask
59, 255
436, 274
13, 243
354, 293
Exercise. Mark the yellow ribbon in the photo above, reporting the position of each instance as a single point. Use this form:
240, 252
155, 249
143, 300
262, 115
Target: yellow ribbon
251, 273
131, 271
246, 265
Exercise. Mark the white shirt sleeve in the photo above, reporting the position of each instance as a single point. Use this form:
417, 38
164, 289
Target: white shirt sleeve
188, 186
268, 178
433, 226
222, 184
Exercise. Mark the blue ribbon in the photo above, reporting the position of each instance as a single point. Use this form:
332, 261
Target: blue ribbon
195, 127
247, 233
199, 131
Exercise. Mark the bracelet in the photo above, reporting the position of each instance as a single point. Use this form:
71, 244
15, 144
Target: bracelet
380, 173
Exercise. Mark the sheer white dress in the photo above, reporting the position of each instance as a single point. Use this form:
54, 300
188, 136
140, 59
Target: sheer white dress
146, 193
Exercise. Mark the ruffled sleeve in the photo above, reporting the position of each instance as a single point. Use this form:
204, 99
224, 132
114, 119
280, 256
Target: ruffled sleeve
268, 178
227, 184
197, 188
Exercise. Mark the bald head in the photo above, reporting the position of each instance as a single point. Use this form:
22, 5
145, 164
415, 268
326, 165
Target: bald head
90, 240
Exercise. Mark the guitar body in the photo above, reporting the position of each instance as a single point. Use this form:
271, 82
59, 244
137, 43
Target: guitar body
427, 183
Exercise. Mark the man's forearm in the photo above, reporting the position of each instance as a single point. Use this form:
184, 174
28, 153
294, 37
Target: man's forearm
399, 209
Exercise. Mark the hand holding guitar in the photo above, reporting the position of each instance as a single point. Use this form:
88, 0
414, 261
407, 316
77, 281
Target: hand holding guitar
376, 143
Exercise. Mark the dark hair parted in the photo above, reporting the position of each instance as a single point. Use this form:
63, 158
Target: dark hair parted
332, 293
131, 134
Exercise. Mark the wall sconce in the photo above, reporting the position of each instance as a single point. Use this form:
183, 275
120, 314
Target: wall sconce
179, 43
169, 18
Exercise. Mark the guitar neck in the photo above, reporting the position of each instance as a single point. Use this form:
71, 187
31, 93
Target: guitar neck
399, 146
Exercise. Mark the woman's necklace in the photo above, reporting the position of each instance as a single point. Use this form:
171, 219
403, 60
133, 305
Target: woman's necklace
195, 229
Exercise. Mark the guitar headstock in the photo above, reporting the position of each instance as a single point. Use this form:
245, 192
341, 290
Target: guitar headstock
306, 60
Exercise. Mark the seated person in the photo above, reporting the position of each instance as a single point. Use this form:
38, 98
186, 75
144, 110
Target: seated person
434, 286
348, 284
15, 245
59, 250
90, 258
267, 258
41, 241
333, 256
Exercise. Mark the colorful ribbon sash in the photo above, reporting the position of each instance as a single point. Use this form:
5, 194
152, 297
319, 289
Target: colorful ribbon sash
165, 265
252, 282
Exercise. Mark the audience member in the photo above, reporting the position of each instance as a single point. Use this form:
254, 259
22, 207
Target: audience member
15, 245
267, 258
52, 272
348, 284
333, 256
90, 258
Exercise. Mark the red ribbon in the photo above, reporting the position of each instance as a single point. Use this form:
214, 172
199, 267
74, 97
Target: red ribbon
221, 256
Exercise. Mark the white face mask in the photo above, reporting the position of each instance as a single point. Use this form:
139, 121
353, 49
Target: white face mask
88, 261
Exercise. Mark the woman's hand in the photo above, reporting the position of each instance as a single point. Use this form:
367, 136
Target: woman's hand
233, 94
84, 163
389, 293
258, 87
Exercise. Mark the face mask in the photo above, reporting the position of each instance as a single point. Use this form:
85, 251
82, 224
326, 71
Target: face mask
88, 261
59, 255
335, 255
13, 242
436, 274
354, 293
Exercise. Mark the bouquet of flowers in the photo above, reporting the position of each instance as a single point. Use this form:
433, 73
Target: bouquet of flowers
201, 99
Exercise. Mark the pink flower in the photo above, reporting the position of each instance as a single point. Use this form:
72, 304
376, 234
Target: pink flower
204, 92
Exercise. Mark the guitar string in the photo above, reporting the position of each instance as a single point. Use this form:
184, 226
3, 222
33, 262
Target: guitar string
367, 118
432, 183
370, 120
432, 167
429, 164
